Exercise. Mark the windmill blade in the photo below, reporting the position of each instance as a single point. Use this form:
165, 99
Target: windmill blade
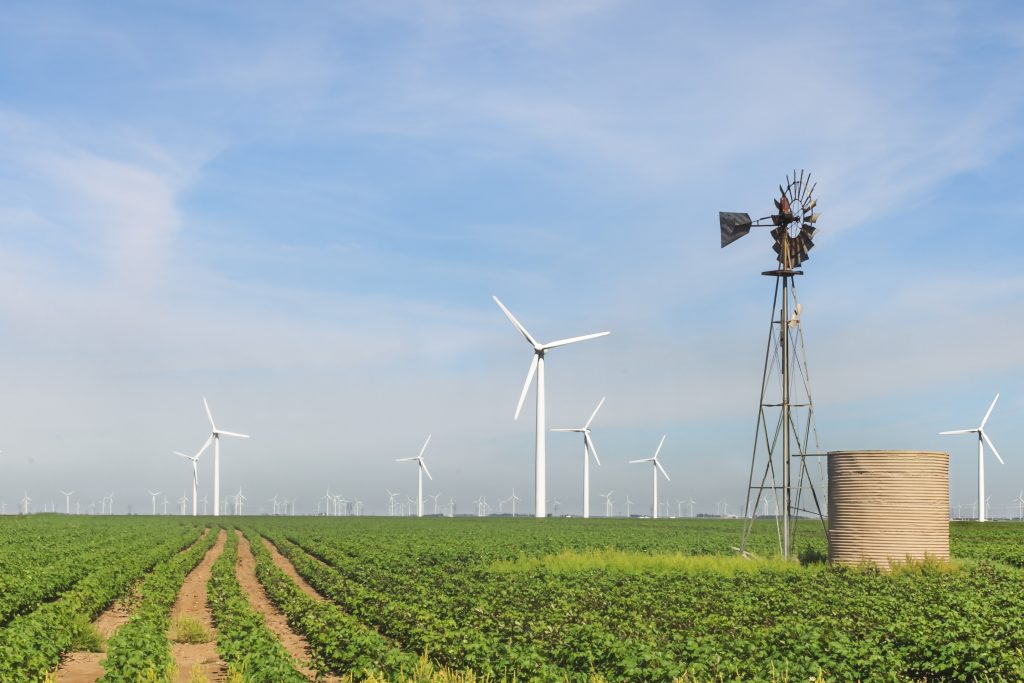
240, 436
660, 444
577, 429
425, 445
209, 414
182, 455
594, 414
423, 464
990, 445
512, 318
403, 460
641, 460
526, 387
658, 465
206, 444
590, 444
573, 340
959, 431
985, 419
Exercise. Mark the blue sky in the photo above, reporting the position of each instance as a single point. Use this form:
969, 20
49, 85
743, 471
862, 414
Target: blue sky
301, 211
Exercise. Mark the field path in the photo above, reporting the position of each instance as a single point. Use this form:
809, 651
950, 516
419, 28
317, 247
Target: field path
286, 566
192, 603
85, 667
294, 643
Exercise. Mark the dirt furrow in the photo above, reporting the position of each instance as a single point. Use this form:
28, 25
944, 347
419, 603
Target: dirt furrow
294, 643
85, 667
192, 604
285, 565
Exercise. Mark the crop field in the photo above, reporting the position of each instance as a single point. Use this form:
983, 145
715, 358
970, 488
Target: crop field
282, 599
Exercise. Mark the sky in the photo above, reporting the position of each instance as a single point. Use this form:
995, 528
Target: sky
300, 211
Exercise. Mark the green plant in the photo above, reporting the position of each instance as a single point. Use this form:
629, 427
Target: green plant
189, 630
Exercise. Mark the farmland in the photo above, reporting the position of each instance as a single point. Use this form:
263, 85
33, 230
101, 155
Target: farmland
497, 599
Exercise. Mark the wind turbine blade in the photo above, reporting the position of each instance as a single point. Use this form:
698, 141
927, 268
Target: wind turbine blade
241, 436
182, 454
959, 431
209, 414
526, 387
660, 444
594, 414
590, 444
423, 464
565, 430
404, 460
985, 419
994, 451
206, 445
519, 325
573, 340
642, 460
422, 450
658, 465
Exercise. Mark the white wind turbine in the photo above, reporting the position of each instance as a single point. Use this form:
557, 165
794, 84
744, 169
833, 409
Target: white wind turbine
514, 499
1020, 505
588, 449
629, 504
154, 494
195, 474
391, 502
436, 496
982, 440
215, 435
421, 468
183, 501
537, 367
25, 500
608, 503
657, 466
67, 501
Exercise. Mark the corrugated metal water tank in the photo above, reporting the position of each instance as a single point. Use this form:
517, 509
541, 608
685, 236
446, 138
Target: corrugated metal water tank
886, 506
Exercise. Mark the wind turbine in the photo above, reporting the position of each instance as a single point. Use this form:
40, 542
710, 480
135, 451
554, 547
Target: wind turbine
421, 468
514, 499
608, 503
67, 501
239, 499
435, 497
154, 494
206, 500
183, 501
1020, 505
25, 500
692, 503
391, 502
982, 440
215, 435
195, 474
657, 466
629, 504
588, 449
480, 504
537, 367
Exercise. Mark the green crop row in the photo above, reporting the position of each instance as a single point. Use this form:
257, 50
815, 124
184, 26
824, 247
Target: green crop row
140, 649
243, 639
31, 645
339, 643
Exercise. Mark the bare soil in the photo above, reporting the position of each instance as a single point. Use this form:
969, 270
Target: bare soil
85, 667
294, 643
285, 565
192, 603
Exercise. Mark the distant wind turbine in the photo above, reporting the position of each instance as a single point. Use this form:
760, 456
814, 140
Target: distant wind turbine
421, 468
195, 474
215, 435
537, 367
154, 494
67, 501
982, 440
657, 466
608, 503
588, 450
25, 500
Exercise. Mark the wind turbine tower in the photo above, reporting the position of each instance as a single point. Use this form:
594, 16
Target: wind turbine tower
421, 467
154, 494
537, 368
67, 501
657, 466
215, 435
588, 450
982, 440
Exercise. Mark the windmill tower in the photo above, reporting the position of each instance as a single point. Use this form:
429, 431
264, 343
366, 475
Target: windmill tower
785, 420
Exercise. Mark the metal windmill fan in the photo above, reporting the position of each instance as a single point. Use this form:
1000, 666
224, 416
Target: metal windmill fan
793, 226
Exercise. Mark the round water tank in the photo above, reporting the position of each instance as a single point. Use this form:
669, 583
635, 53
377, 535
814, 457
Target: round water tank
887, 506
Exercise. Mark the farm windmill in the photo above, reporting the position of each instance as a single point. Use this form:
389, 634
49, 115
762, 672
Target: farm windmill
780, 438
